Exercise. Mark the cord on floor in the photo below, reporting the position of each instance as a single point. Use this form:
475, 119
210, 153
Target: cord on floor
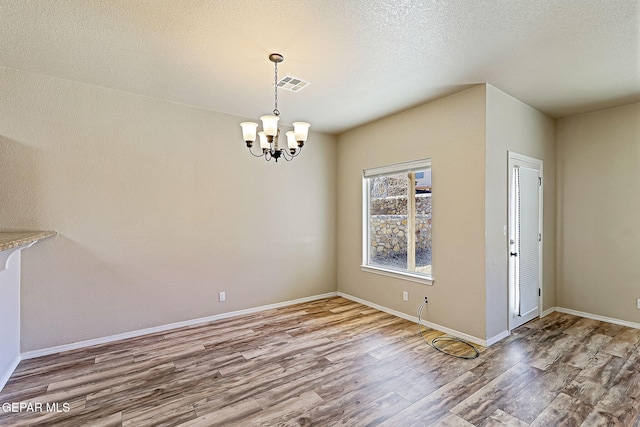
445, 338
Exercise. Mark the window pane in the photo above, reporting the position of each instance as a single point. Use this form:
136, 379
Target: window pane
388, 221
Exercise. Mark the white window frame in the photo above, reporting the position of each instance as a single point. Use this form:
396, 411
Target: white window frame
415, 165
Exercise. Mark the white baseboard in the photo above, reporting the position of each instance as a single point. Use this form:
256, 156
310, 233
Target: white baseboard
494, 339
598, 317
548, 311
104, 340
431, 325
162, 328
5, 376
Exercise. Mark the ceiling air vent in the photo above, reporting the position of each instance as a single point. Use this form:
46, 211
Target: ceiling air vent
293, 84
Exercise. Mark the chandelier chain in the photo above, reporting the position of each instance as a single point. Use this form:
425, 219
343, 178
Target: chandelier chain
275, 85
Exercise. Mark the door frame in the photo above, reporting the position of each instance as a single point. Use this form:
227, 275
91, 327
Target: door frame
512, 158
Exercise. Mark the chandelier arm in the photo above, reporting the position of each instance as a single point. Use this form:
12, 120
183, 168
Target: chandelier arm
288, 156
255, 155
297, 153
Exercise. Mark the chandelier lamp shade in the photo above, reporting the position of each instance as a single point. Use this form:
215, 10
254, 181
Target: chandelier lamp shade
269, 135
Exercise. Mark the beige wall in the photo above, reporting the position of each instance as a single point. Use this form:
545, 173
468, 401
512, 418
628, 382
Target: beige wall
451, 131
599, 211
514, 126
158, 207
156, 215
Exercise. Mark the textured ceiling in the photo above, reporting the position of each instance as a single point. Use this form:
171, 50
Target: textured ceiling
365, 59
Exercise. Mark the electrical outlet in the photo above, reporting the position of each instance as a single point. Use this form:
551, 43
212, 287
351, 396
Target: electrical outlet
222, 296
638, 302
426, 300
405, 296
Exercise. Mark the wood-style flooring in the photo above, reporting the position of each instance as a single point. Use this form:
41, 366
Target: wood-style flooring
335, 362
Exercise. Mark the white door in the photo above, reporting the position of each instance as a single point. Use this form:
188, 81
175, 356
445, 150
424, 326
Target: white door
525, 239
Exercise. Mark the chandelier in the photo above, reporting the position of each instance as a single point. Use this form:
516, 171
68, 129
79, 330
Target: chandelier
270, 133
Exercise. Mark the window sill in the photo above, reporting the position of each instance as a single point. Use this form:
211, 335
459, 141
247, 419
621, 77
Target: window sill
413, 277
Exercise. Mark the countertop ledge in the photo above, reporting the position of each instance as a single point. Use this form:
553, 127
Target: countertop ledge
13, 239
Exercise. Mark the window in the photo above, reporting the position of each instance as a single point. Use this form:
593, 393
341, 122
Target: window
397, 221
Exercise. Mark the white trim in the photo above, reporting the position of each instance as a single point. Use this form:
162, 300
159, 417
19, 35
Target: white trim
431, 325
104, 340
397, 168
513, 157
140, 332
598, 317
494, 339
547, 312
365, 220
523, 158
413, 277
7, 375
379, 307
